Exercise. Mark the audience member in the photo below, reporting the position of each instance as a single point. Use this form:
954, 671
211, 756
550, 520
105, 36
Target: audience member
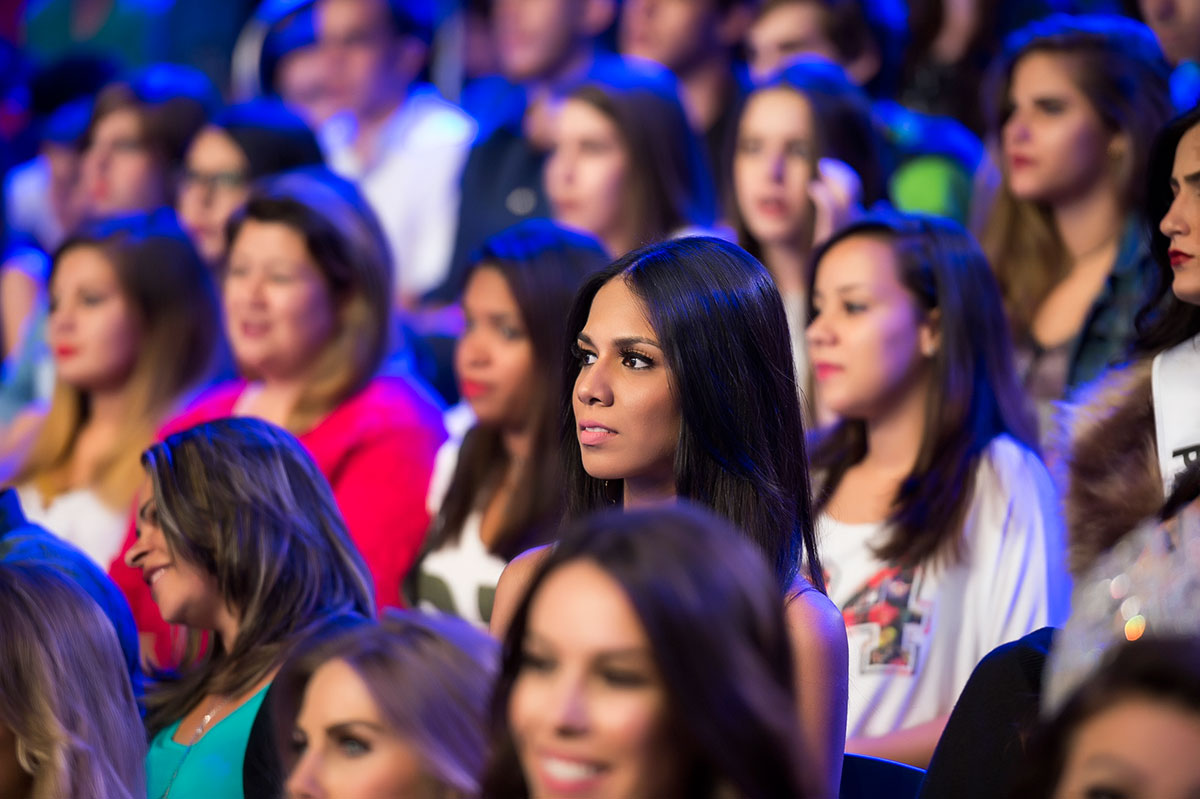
698, 40
682, 386
938, 520
1131, 730
398, 709
68, 722
22, 542
544, 48
500, 492
238, 538
402, 143
1176, 25
242, 144
1082, 98
625, 167
134, 327
650, 657
306, 296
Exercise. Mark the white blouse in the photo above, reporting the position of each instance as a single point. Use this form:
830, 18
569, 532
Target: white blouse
81, 518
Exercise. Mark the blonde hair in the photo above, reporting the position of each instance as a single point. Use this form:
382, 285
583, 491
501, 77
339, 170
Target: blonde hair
1117, 65
343, 238
171, 291
65, 690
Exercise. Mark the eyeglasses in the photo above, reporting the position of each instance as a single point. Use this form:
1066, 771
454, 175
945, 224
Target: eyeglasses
212, 181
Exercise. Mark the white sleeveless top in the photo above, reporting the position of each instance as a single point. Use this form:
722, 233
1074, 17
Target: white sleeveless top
459, 578
79, 517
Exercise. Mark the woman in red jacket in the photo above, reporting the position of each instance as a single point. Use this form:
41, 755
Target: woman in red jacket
305, 293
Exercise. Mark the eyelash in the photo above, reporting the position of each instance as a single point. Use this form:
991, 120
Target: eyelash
582, 356
532, 662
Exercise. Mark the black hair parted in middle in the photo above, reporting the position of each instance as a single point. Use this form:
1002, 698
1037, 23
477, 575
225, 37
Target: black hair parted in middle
720, 322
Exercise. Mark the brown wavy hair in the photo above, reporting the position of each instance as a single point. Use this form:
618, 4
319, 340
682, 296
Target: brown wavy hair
243, 501
346, 243
1118, 66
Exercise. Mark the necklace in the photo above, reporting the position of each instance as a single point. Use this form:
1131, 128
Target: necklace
195, 737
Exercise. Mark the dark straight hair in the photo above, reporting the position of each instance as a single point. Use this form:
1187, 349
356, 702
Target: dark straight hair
718, 639
974, 394
543, 265
721, 324
1165, 320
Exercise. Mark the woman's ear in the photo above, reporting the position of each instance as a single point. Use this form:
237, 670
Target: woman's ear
931, 333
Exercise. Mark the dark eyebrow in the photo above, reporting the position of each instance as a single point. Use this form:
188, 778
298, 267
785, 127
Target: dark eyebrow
1192, 180
584, 338
144, 511
632, 341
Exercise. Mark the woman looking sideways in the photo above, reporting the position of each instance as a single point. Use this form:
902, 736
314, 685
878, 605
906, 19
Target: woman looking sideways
305, 293
625, 167
397, 709
134, 328
1081, 100
650, 657
500, 492
239, 537
937, 517
681, 386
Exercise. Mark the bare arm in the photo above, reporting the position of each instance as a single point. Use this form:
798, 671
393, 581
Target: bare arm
912, 745
821, 656
18, 296
510, 589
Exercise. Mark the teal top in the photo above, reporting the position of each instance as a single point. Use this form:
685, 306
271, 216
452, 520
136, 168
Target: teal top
213, 768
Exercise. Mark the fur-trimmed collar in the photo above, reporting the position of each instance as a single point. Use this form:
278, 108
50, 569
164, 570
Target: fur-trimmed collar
1109, 478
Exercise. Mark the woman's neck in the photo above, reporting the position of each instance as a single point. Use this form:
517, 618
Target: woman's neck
108, 408
648, 492
274, 400
1090, 223
894, 438
788, 265
226, 627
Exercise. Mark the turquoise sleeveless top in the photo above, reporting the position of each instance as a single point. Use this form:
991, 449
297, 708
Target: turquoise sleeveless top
213, 768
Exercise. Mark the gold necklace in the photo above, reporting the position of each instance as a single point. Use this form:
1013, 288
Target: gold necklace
195, 737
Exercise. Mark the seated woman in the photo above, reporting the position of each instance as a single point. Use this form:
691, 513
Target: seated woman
501, 492
937, 516
1080, 101
132, 150
790, 195
134, 328
1133, 729
242, 144
238, 538
305, 294
68, 722
682, 386
625, 167
398, 709
649, 657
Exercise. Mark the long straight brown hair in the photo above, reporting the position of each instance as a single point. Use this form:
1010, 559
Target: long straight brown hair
1118, 66
543, 266
243, 501
974, 395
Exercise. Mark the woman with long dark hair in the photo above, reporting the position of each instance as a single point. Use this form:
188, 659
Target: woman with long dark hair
681, 386
649, 658
937, 517
500, 493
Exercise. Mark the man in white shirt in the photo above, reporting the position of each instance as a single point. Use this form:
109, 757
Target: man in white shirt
403, 144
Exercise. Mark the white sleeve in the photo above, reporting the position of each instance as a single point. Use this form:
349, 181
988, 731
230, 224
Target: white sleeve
1019, 547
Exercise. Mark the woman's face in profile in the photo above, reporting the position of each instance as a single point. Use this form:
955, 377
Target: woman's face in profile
1182, 222
627, 418
588, 709
345, 749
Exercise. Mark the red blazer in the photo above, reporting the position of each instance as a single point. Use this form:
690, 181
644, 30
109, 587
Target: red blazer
377, 451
